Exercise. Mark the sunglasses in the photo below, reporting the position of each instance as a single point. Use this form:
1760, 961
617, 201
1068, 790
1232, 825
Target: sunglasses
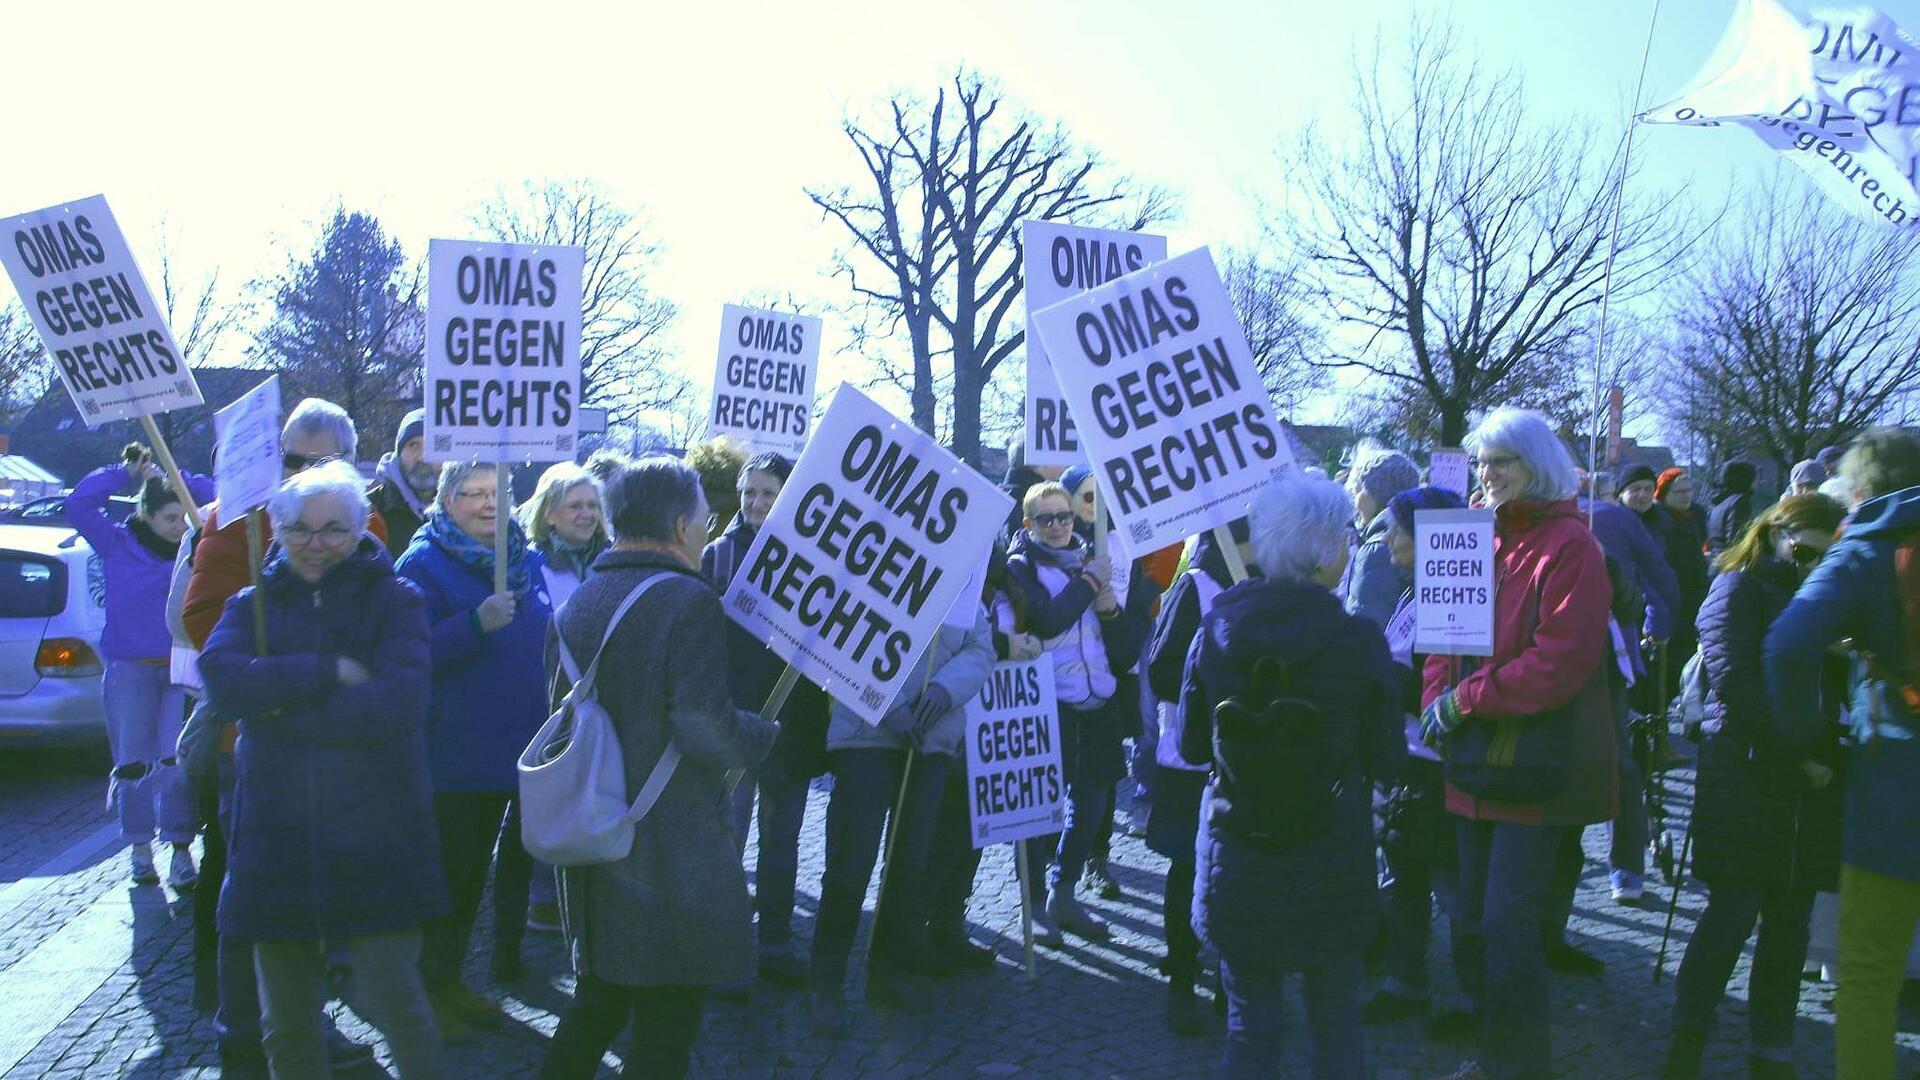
300, 462
1048, 521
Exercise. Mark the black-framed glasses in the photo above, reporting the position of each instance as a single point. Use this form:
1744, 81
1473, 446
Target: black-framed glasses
1495, 462
1048, 521
293, 462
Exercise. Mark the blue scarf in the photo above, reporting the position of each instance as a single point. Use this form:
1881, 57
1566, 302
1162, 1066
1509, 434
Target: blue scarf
477, 555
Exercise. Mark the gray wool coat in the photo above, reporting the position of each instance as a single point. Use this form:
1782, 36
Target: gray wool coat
675, 911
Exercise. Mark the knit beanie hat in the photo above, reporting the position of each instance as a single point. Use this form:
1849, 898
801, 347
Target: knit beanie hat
1665, 481
411, 427
777, 464
1384, 474
1074, 477
1810, 472
1634, 474
1403, 505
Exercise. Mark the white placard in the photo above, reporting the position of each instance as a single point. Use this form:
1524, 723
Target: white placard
764, 383
503, 351
966, 606
1453, 574
1176, 422
1014, 782
1448, 468
864, 553
246, 459
84, 292
1059, 261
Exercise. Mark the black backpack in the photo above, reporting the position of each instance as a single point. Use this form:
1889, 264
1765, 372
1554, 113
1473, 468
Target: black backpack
1276, 759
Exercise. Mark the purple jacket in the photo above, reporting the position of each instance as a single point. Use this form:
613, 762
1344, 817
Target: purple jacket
1623, 537
137, 576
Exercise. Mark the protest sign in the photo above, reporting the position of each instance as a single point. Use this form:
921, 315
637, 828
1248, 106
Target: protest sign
763, 386
246, 460
865, 553
1059, 261
1174, 417
503, 351
1453, 575
86, 297
1449, 469
1837, 97
1014, 782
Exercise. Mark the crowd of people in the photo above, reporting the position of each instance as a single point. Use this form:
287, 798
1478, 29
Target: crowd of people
347, 743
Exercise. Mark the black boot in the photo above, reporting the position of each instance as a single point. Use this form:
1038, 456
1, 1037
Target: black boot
1683, 1055
1183, 1009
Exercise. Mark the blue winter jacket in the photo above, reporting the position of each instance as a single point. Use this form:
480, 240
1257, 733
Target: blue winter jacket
137, 575
1292, 906
1627, 541
333, 811
489, 690
1373, 584
1853, 594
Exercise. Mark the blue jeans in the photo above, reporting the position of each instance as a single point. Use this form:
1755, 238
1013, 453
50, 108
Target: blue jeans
783, 811
147, 788
1773, 986
1628, 831
1255, 1016
1504, 874
866, 789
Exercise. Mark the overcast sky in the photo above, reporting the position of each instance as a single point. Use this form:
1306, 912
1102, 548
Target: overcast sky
242, 124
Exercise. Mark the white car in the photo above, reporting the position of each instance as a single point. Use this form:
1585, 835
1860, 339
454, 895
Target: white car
52, 609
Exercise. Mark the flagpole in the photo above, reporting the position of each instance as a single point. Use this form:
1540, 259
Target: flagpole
1606, 287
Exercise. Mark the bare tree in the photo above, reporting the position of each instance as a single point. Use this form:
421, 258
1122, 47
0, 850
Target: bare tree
347, 324
623, 346
1458, 247
25, 373
1800, 331
934, 238
1270, 298
196, 313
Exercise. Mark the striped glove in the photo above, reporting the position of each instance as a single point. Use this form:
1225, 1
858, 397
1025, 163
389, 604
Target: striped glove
1440, 720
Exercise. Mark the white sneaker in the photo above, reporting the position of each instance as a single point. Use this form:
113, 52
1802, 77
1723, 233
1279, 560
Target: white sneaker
181, 874
143, 871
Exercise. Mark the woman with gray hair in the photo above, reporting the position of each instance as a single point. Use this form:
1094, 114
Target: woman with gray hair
1293, 701
330, 691
651, 933
1541, 705
489, 697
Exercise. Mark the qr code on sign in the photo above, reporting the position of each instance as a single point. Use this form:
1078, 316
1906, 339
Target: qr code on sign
443, 444
985, 830
563, 443
1140, 531
93, 409
743, 603
872, 698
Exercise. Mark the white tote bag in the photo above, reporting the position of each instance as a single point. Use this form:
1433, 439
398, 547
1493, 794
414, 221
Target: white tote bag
573, 778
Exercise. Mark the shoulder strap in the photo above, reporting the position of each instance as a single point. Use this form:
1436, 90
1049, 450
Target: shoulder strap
583, 683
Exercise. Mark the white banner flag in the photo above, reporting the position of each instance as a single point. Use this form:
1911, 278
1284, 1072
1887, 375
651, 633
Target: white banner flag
1058, 261
763, 385
865, 553
108, 339
1840, 98
1176, 422
503, 351
246, 465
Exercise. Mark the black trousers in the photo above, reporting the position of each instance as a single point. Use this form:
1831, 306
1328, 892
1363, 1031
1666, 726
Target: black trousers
470, 825
954, 862
666, 1021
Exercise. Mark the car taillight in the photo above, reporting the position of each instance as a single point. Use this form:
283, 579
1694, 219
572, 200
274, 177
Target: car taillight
66, 657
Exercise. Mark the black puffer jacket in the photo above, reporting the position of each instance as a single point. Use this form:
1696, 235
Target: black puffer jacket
1756, 819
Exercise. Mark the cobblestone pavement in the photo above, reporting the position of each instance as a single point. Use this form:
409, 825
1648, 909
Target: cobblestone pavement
96, 979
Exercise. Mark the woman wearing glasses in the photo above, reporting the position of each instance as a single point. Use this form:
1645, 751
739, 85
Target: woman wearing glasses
1540, 703
1766, 819
489, 697
334, 843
